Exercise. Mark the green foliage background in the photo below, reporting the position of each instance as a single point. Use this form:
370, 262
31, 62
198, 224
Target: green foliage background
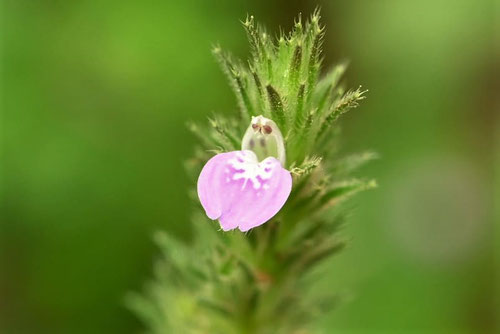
95, 97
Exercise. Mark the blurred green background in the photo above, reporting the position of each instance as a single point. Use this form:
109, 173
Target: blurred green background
96, 95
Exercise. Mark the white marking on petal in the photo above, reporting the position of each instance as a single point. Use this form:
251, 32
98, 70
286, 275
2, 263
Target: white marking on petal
249, 169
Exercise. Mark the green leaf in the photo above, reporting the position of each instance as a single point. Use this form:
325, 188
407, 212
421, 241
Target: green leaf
349, 101
345, 189
352, 162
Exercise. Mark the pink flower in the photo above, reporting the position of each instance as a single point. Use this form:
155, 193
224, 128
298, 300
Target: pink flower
240, 191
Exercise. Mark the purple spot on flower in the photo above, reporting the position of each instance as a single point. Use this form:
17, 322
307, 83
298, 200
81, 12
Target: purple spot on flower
248, 195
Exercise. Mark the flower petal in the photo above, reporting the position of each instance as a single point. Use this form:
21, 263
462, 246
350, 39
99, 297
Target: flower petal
241, 192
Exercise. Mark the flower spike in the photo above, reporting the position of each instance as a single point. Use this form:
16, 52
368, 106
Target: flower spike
260, 282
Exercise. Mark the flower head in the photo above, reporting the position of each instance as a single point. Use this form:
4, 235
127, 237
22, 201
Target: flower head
242, 191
